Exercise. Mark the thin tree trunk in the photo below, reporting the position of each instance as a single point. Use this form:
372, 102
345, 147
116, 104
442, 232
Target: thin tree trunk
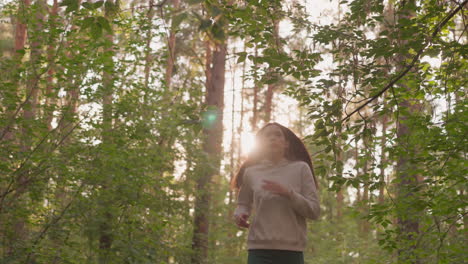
268, 102
365, 201
208, 70
32, 84
7, 133
106, 217
20, 30
339, 153
20, 41
73, 77
383, 159
233, 131
50, 96
339, 159
273, 86
255, 101
29, 116
51, 93
171, 49
356, 158
149, 37
240, 129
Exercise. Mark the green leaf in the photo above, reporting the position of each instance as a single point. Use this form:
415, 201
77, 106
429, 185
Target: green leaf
242, 56
110, 8
98, 4
194, 2
87, 5
72, 5
177, 20
96, 31
87, 22
296, 75
104, 23
204, 24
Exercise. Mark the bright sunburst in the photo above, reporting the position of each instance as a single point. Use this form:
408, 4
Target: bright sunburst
248, 143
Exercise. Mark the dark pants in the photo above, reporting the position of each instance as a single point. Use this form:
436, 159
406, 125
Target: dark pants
270, 256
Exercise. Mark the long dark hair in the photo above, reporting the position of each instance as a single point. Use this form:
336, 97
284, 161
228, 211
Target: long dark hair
295, 151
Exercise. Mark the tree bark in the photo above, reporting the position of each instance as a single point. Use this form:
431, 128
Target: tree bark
29, 116
383, 160
254, 120
149, 37
32, 84
71, 86
273, 86
234, 144
105, 216
171, 49
358, 189
7, 133
365, 197
50, 95
212, 146
240, 129
407, 215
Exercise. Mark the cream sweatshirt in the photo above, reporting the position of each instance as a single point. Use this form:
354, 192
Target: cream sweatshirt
278, 222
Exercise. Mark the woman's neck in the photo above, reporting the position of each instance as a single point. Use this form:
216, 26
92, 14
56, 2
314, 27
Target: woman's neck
276, 158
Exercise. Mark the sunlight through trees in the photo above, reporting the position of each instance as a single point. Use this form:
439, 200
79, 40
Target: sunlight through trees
122, 124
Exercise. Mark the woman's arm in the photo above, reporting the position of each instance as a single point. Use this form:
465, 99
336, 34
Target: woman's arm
307, 202
244, 203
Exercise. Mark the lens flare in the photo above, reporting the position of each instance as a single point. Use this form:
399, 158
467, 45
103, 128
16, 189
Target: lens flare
248, 143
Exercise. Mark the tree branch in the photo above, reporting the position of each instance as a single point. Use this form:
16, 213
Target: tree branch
413, 62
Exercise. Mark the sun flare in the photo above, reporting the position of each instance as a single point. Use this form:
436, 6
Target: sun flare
248, 143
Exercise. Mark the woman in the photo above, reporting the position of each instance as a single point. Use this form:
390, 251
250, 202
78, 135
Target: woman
278, 182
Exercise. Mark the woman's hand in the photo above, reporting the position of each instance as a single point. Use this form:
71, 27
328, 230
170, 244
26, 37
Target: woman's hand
241, 220
275, 188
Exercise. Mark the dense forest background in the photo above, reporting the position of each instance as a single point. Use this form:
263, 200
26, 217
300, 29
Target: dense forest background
123, 122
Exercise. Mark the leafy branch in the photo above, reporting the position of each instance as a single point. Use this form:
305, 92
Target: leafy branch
413, 62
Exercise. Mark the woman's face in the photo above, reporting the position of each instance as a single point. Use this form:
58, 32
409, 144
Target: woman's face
273, 140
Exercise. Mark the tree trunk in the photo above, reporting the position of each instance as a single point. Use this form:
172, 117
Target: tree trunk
268, 102
407, 215
365, 203
29, 116
240, 129
20, 41
105, 216
8, 132
32, 84
65, 124
20, 29
272, 86
254, 119
234, 144
383, 159
171, 49
50, 95
148, 57
212, 146
356, 158
339, 153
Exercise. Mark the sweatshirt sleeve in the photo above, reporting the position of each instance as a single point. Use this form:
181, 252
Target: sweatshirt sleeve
245, 197
307, 202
